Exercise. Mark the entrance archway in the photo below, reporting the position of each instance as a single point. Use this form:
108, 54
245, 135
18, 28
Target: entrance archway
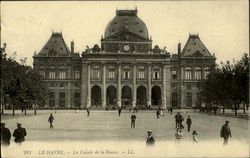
141, 95
126, 96
95, 96
111, 95
156, 96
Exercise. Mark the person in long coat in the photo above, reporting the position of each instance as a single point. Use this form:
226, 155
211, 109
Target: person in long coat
150, 139
5, 135
225, 132
119, 111
189, 123
19, 134
157, 113
133, 118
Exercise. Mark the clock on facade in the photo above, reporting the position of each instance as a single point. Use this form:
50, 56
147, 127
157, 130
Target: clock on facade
126, 47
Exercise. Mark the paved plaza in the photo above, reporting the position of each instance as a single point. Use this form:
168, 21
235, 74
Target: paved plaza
107, 126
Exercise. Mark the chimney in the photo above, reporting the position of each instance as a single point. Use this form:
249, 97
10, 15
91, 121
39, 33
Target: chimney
179, 49
72, 46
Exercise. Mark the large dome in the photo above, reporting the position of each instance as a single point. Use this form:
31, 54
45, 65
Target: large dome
126, 20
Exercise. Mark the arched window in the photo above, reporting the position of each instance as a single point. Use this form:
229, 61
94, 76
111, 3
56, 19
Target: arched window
197, 73
188, 72
206, 72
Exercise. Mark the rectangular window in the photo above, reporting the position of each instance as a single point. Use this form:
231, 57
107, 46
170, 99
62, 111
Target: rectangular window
52, 75
174, 86
156, 75
111, 74
77, 99
42, 73
61, 85
62, 103
52, 103
62, 95
198, 100
189, 99
189, 87
95, 74
62, 99
198, 75
51, 85
174, 74
174, 99
77, 74
51, 99
126, 74
141, 74
77, 86
62, 75
188, 74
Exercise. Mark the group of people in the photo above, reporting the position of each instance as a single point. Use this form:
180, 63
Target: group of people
18, 133
225, 131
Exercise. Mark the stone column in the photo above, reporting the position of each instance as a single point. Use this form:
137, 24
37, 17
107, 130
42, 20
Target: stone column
182, 87
89, 88
134, 86
69, 87
69, 94
119, 86
167, 86
149, 85
104, 85
164, 87
193, 98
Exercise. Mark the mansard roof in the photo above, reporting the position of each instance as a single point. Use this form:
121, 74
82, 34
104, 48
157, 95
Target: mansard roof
55, 45
195, 47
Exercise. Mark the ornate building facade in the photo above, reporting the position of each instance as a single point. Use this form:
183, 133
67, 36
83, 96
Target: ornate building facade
125, 71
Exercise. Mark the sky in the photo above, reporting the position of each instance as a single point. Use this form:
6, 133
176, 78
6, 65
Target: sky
223, 26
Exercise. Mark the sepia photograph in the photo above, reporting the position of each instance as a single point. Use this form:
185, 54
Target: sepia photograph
125, 79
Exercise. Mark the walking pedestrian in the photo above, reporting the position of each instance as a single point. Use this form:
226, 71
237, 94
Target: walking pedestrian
176, 120
50, 120
88, 111
225, 132
133, 118
119, 111
195, 136
157, 113
189, 122
150, 139
171, 110
180, 120
19, 134
5, 135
